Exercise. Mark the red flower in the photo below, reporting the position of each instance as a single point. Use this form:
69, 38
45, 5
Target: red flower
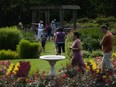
64, 76
79, 69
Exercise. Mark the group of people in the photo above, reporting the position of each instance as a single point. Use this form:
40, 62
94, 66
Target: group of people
49, 28
77, 59
106, 44
52, 31
58, 38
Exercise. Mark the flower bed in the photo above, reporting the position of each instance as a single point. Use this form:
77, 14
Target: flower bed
67, 77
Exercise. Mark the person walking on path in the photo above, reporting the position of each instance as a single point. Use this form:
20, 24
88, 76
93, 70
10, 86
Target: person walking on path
40, 29
43, 40
55, 42
48, 31
77, 58
60, 39
53, 26
107, 46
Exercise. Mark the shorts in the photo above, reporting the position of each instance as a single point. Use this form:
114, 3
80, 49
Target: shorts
106, 61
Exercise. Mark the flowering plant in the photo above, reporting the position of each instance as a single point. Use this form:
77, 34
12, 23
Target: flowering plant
12, 74
114, 55
67, 77
73, 77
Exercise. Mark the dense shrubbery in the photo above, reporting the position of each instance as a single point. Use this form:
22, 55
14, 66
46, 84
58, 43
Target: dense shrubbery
90, 38
9, 38
8, 54
90, 41
93, 54
83, 20
96, 54
105, 20
27, 49
88, 25
29, 35
86, 54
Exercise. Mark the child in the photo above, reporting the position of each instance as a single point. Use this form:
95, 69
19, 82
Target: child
43, 40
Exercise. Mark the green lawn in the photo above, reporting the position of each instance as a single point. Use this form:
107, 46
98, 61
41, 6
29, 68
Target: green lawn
42, 65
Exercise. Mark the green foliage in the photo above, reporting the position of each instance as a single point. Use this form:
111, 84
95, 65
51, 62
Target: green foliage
90, 38
15, 10
96, 54
90, 44
9, 38
90, 41
8, 54
29, 35
68, 51
86, 54
83, 20
94, 32
89, 25
68, 43
27, 49
105, 20
112, 25
114, 47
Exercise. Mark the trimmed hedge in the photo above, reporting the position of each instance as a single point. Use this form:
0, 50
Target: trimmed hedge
9, 38
27, 49
8, 54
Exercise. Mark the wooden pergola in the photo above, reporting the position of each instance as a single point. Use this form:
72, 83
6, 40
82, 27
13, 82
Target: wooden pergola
61, 9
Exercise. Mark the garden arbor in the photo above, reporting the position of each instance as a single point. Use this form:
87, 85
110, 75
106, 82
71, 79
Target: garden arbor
61, 9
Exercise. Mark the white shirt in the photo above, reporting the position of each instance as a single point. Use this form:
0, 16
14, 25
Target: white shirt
40, 26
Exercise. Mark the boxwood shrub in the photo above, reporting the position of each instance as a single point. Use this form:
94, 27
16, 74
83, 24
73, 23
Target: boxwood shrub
8, 54
27, 49
9, 38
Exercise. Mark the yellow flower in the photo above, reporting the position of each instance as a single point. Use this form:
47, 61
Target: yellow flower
9, 70
91, 61
94, 66
16, 68
14, 72
17, 65
97, 71
104, 76
114, 55
87, 67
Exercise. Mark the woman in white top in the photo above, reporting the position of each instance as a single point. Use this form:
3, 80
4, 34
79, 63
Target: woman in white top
40, 29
